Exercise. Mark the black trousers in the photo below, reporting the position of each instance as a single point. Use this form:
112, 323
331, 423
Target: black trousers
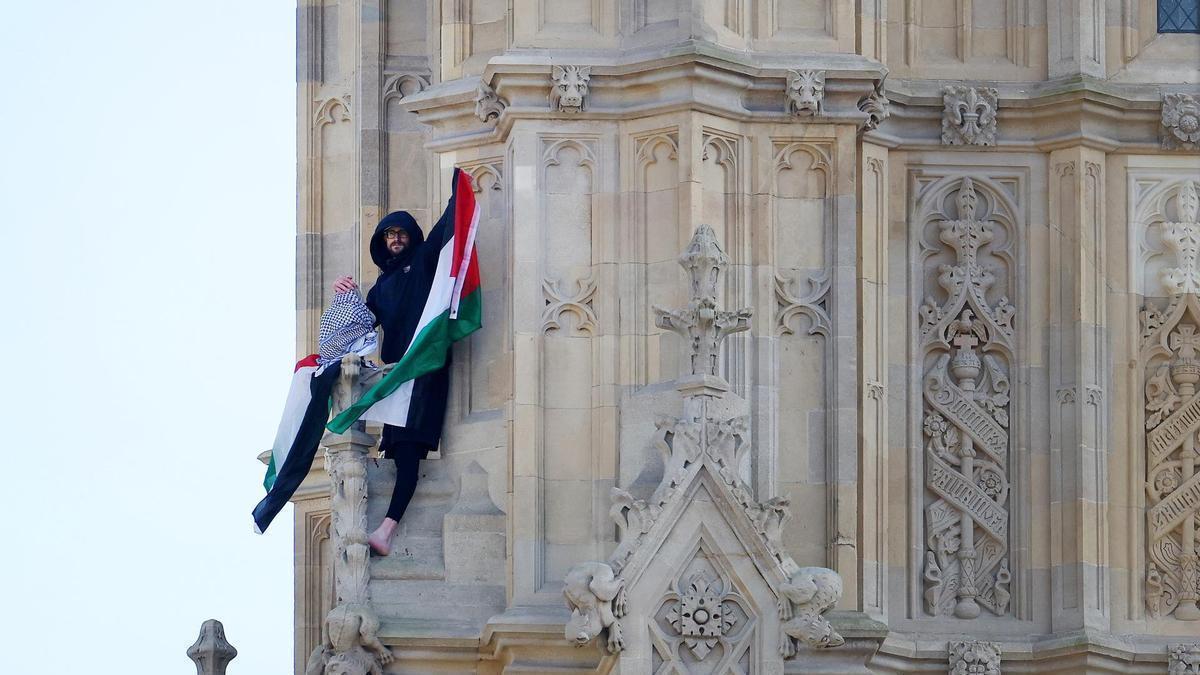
407, 456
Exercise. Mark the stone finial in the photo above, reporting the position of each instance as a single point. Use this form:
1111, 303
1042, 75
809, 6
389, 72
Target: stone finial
211, 651
974, 657
969, 115
701, 323
569, 89
488, 104
1180, 122
805, 92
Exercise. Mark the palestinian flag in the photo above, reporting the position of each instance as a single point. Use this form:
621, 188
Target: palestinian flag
299, 434
453, 310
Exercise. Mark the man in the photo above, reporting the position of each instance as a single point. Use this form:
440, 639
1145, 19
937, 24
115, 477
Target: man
407, 270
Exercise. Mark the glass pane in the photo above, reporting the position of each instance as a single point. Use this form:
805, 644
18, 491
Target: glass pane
1179, 16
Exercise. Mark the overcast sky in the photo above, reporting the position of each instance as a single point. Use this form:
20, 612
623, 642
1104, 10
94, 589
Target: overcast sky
147, 219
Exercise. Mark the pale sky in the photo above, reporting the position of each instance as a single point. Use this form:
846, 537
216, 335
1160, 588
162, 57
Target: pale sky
147, 219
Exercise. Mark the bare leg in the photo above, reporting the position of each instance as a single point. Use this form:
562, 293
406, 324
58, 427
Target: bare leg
380, 540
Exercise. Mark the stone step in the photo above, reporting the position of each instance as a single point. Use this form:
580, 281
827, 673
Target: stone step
412, 557
427, 599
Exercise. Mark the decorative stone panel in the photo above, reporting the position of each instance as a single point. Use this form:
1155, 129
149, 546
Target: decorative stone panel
969, 115
966, 339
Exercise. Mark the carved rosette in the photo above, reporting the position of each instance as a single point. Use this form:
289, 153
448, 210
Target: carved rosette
1180, 122
967, 341
1172, 357
1183, 659
974, 658
488, 104
700, 613
805, 92
569, 87
969, 115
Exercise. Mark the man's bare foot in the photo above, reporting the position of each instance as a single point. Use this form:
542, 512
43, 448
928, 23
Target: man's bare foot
380, 540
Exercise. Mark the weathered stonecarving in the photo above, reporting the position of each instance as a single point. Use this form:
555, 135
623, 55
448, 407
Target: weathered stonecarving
966, 339
569, 87
710, 613
969, 115
805, 92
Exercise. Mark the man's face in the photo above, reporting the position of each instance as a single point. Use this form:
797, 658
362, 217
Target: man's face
396, 239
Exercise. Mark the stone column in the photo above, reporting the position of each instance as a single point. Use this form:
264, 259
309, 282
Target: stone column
1075, 37
1078, 370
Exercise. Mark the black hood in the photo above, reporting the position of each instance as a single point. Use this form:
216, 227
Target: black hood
379, 251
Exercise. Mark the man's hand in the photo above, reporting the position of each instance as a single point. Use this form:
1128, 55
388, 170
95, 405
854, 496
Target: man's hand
344, 285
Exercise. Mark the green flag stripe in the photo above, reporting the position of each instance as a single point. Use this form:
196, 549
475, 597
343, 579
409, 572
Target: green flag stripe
426, 354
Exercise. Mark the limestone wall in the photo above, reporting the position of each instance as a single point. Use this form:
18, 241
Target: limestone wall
950, 234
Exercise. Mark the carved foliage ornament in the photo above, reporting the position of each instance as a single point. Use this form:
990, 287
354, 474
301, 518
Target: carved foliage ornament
1172, 357
1183, 659
974, 658
805, 92
966, 339
569, 88
1180, 121
488, 104
1183, 239
969, 115
702, 614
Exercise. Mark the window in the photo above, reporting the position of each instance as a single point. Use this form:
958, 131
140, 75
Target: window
1179, 16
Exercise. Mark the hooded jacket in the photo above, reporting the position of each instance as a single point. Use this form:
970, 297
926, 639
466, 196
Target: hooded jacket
397, 300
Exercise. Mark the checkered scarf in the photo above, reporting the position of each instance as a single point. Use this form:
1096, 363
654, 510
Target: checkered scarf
347, 327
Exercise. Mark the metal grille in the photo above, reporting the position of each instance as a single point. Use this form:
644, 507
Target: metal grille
1179, 16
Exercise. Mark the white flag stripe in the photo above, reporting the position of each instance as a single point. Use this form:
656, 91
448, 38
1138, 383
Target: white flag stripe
392, 409
298, 398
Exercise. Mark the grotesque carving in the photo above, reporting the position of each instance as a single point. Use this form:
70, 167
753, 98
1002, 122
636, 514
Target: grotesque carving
351, 646
805, 92
1180, 121
488, 104
596, 598
971, 657
966, 339
569, 90
875, 106
809, 593
1183, 659
969, 115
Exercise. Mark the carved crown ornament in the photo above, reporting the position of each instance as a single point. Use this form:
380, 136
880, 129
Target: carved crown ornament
701, 614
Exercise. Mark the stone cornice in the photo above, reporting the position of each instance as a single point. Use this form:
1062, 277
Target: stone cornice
1034, 116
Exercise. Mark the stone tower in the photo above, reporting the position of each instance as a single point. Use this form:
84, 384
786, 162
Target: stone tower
955, 373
